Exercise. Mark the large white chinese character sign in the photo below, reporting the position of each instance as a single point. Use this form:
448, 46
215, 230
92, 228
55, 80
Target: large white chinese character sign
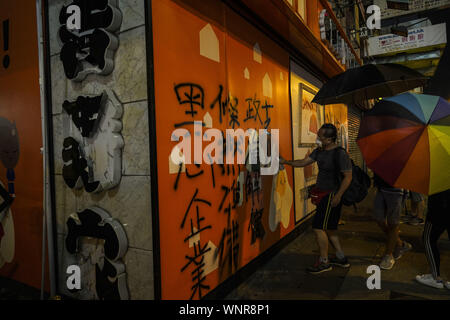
92, 149
91, 48
100, 255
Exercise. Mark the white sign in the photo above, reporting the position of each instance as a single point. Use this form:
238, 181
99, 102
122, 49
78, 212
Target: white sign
417, 38
102, 149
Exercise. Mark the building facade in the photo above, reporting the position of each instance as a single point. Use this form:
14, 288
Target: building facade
137, 85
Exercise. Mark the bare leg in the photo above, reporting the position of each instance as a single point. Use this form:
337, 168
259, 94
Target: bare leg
417, 209
334, 239
322, 241
393, 238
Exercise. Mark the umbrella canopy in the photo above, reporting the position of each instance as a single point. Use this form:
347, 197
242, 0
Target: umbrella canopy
367, 82
405, 139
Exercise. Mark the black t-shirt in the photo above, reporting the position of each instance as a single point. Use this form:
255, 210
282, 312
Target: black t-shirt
328, 176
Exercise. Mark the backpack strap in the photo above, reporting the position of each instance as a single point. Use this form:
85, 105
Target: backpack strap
336, 164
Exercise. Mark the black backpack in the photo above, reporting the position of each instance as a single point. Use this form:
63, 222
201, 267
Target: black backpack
358, 188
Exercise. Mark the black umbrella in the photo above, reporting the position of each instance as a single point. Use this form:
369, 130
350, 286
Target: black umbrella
367, 82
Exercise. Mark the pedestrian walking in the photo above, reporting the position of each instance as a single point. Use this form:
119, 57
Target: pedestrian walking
437, 221
387, 209
327, 195
417, 208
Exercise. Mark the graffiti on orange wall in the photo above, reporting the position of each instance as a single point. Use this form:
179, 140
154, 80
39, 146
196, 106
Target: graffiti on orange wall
216, 217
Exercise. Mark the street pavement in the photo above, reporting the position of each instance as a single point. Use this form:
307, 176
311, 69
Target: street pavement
284, 276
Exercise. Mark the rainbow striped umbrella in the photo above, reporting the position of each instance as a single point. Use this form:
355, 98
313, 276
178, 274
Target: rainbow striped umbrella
405, 139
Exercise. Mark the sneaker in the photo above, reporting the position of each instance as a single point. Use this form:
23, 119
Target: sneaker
399, 251
387, 262
340, 262
406, 218
319, 267
428, 280
416, 221
407, 215
447, 284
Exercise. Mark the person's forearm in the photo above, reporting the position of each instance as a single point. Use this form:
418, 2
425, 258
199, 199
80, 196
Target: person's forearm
344, 186
296, 163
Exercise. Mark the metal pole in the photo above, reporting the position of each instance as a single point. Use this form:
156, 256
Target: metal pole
48, 230
356, 14
43, 255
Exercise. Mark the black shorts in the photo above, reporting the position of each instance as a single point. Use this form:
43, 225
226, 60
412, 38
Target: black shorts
327, 217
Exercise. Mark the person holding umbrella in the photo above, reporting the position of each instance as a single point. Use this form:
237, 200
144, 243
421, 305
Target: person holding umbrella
370, 81
437, 221
328, 193
405, 140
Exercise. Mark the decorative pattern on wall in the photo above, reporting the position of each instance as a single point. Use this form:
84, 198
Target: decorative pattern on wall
6, 200
90, 49
280, 201
7, 244
9, 156
9, 150
93, 145
103, 272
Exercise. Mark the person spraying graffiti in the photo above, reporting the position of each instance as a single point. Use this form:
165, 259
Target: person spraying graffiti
327, 195
9, 151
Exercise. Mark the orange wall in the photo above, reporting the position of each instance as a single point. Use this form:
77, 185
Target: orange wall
177, 58
20, 102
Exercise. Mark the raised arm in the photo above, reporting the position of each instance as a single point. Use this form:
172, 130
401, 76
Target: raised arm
297, 163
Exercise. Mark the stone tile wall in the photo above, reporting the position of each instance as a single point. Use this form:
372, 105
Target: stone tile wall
129, 202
